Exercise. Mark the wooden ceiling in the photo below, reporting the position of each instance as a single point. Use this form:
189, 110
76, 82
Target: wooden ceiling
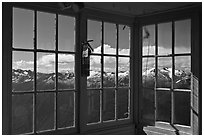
129, 8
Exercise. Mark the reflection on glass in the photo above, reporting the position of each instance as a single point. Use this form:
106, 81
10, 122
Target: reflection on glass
183, 36
94, 80
164, 74
45, 71
66, 71
123, 103
45, 31
148, 47
22, 114
109, 71
93, 106
165, 38
66, 33
124, 40
66, 108
22, 71
148, 72
108, 104
94, 33
109, 38
45, 111
182, 79
123, 72
23, 28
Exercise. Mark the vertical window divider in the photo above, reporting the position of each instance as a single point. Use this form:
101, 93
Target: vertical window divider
102, 69
35, 74
116, 74
56, 70
173, 71
156, 69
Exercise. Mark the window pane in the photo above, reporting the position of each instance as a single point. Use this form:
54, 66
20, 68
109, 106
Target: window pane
66, 33
109, 38
45, 71
66, 71
109, 71
22, 114
124, 40
94, 33
148, 40
45, 111
183, 36
23, 28
45, 31
123, 72
165, 38
123, 103
182, 72
94, 80
22, 71
66, 108
108, 104
148, 72
93, 106
163, 106
164, 74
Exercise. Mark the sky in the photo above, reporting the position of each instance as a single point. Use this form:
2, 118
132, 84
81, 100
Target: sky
23, 38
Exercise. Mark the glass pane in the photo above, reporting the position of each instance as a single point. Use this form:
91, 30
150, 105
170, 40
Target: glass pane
165, 38
66, 108
66, 71
109, 71
148, 72
45, 71
94, 33
182, 106
66, 33
45, 31
45, 111
164, 74
148, 47
123, 72
94, 80
183, 36
22, 71
123, 103
108, 104
109, 38
93, 106
163, 106
22, 114
124, 40
23, 28
182, 72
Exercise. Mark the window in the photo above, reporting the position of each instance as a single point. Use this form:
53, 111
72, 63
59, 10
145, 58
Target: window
166, 70
43, 72
108, 86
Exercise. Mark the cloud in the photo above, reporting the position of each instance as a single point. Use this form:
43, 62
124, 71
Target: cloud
25, 65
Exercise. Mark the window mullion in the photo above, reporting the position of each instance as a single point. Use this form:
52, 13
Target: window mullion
173, 71
35, 73
56, 70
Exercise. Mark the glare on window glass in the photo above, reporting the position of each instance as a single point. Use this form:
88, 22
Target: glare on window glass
94, 33
46, 31
23, 26
165, 38
124, 40
148, 40
109, 38
66, 33
183, 36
